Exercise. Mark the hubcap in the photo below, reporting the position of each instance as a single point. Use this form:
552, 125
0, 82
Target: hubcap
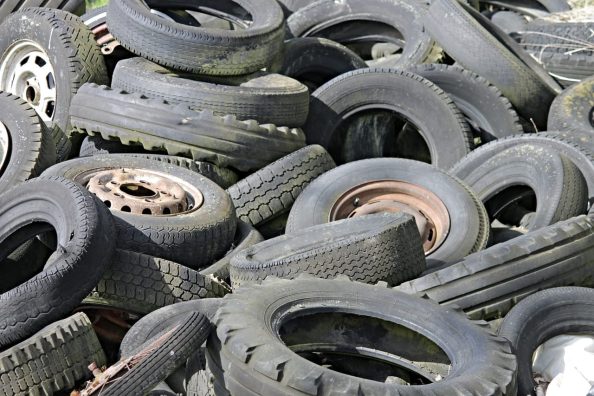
26, 71
429, 212
142, 192
4, 146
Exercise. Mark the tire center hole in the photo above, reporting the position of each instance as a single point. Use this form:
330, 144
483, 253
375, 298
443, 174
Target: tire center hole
137, 190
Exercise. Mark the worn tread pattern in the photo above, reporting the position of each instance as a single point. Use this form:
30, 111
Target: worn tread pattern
141, 283
271, 191
52, 360
487, 284
199, 50
268, 98
156, 124
9, 6
39, 301
381, 247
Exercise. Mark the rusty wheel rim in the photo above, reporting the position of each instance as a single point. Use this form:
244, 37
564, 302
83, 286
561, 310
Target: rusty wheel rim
142, 191
428, 210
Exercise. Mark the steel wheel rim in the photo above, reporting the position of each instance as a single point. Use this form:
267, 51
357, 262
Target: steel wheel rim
428, 210
26, 71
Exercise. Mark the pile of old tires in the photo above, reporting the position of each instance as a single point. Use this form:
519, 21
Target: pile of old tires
293, 197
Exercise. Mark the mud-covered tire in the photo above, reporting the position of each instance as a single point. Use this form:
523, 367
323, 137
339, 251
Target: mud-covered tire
52, 360
561, 192
314, 61
469, 222
445, 132
196, 49
72, 51
194, 238
405, 17
141, 283
27, 144
542, 316
573, 110
481, 363
157, 125
84, 230
478, 45
490, 115
271, 191
267, 98
488, 284
380, 247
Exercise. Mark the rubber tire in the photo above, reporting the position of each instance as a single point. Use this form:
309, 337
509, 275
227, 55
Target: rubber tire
267, 98
195, 49
151, 325
157, 125
159, 360
566, 144
194, 239
222, 176
23, 263
559, 186
96, 145
140, 283
31, 147
445, 132
256, 361
469, 223
542, 316
403, 16
573, 110
382, 247
488, 284
73, 53
245, 237
478, 45
509, 21
290, 6
52, 360
83, 227
314, 61
271, 191
9, 6
490, 115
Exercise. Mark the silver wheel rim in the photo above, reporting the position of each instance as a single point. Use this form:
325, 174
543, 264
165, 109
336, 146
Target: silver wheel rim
4, 146
26, 71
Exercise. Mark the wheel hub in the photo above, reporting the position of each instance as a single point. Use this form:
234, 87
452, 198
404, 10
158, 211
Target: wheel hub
26, 71
141, 192
429, 212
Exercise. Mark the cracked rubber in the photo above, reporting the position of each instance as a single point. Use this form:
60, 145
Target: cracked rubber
490, 115
223, 141
573, 110
542, 316
31, 147
195, 49
469, 222
248, 353
488, 284
52, 360
194, 239
478, 45
440, 123
84, 230
160, 356
559, 186
271, 191
380, 247
73, 53
141, 283
268, 98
